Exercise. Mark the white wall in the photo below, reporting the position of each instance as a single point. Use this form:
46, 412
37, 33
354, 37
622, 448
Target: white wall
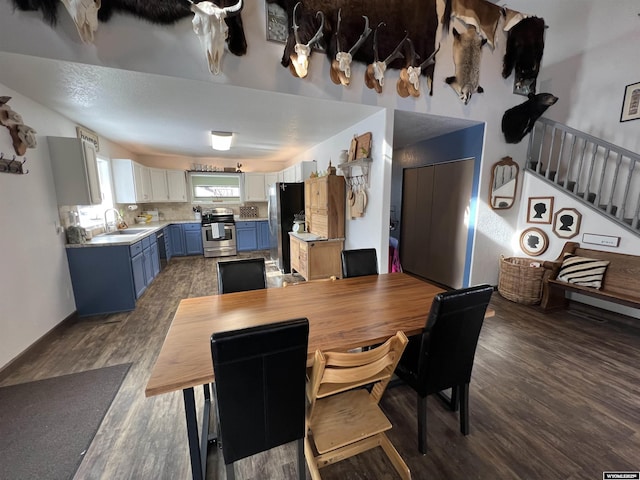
35, 293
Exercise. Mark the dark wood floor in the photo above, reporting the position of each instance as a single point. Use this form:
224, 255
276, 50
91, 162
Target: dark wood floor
552, 397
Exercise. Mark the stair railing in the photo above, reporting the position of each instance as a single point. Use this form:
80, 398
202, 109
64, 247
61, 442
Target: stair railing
602, 175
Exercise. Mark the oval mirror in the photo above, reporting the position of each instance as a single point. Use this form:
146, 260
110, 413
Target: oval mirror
504, 184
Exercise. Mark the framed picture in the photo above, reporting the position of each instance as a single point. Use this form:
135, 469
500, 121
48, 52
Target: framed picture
631, 103
540, 210
276, 23
566, 222
534, 241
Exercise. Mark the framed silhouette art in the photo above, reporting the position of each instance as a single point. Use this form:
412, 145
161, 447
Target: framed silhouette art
534, 241
540, 210
566, 222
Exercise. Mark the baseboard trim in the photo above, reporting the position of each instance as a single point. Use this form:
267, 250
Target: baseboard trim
36, 346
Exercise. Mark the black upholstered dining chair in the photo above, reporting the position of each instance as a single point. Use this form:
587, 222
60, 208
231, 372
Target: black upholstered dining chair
260, 377
241, 275
442, 356
359, 262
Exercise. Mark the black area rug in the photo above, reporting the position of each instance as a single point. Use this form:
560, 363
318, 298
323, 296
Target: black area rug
46, 426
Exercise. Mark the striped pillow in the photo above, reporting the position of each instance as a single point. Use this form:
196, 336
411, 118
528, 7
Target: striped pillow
583, 271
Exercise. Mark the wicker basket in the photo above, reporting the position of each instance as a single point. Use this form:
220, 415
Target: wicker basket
519, 281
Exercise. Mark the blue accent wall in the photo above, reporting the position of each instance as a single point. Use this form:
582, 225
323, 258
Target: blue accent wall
465, 143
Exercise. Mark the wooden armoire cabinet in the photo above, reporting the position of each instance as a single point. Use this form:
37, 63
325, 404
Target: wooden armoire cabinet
324, 210
324, 205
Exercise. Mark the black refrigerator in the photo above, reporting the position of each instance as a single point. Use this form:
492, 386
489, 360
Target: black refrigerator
285, 200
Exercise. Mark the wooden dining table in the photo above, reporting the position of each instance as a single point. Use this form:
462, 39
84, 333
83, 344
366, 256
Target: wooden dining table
343, 314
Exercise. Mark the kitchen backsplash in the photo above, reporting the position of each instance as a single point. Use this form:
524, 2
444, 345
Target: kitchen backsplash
166, 212
184, 211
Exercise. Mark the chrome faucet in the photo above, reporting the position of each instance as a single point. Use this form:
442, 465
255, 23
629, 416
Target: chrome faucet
117, 218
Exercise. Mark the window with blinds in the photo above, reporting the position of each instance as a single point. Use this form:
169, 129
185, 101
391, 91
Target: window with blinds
211, 187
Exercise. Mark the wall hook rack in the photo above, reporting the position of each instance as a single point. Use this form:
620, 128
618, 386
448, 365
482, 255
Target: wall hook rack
12, 165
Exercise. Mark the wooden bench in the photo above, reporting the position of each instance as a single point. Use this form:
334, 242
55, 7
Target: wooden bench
621, 283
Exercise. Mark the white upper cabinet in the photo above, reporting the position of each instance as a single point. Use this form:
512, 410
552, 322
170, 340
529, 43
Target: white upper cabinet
297, 173
289, 174
254, 187
131, 180
177, 185
159, 187
269, 179
75, 171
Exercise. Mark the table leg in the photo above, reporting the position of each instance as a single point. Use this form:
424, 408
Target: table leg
192, 433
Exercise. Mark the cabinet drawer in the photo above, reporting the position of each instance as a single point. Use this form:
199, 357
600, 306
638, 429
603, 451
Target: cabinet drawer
245, 225
135, 249
191, 226
146, 242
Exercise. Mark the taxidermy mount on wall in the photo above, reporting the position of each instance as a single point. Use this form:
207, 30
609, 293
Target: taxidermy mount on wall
467, 52
519, 120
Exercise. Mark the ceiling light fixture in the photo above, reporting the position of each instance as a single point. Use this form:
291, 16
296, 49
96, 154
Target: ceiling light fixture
221, 140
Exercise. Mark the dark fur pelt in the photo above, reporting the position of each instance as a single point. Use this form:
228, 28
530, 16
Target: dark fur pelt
525, 45
417, 17
49, 8
164, 12
519, 120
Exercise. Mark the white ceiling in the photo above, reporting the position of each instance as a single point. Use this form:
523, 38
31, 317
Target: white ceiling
152, 114
160, 115
172, 113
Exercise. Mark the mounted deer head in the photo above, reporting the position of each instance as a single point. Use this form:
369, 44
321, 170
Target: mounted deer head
341, 66
374, 75
209, 25
300, 60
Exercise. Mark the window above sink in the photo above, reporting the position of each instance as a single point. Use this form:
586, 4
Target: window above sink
211, 187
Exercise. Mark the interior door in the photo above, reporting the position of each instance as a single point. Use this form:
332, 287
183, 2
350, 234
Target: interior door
433, 237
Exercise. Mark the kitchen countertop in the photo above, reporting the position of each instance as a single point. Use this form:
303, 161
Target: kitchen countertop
250, 219
106, 240
312, 237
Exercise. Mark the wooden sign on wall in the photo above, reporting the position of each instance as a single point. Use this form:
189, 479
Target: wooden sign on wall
88, 136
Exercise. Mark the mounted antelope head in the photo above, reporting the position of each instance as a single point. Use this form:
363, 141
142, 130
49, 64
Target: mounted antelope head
409, 81
300, 60
374, 75
341, 66
85, 15
209, 25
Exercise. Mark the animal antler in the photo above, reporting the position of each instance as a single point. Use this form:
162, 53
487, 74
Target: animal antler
409, 81
341, 66
303, 51
374, 75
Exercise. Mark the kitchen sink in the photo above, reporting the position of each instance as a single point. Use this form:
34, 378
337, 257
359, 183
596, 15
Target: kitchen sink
128, 231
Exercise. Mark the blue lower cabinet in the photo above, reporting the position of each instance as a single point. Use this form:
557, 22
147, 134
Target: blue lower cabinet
102, 279
177, 240
246, 236
263, 235
137, 267
193, 238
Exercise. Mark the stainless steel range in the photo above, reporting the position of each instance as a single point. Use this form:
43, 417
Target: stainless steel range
219, 233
